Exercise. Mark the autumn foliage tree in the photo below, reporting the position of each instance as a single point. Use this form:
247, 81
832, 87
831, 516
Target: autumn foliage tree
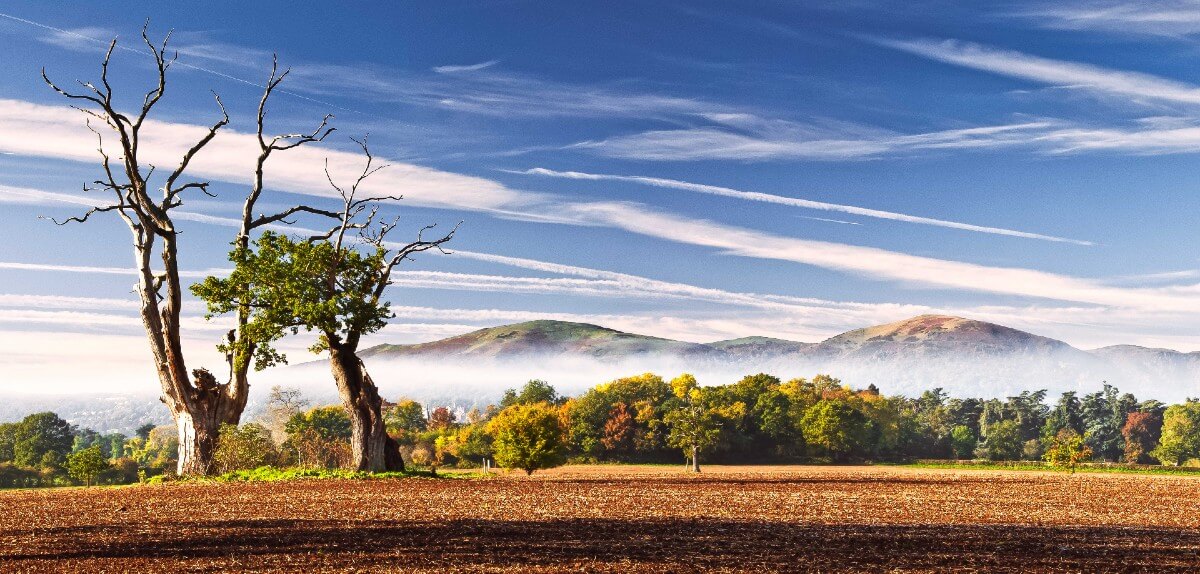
618, 430
441, 419
528, 437
694, 425
1067, 450
1138, 432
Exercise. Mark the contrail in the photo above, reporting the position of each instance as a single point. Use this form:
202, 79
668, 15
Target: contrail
795, 202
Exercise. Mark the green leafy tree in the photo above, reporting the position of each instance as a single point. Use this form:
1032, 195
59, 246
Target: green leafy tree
1067, 414
1030, 412
86, 464
1104, 414
472, 444
319, 437
535, 391
328, 422
528, 437
143, 432
42, 439
963, 441
934, 424
753, 413
647, 396
8, 439
156, 453
334, 285
111, 445
1180, 440
1002, 441
406, 416
244, 447
835, 427
694, 425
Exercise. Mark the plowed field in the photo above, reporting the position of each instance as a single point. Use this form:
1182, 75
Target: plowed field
619, 519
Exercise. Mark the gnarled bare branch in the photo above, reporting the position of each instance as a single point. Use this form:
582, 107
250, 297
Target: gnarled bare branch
82, 218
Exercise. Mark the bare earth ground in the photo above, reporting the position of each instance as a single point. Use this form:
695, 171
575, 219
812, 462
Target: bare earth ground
620, 519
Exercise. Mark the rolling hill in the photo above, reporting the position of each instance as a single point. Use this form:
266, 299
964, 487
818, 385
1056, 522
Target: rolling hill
547, 338
967, 357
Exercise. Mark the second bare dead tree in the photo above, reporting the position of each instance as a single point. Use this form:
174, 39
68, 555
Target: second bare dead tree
199, 403
332, 283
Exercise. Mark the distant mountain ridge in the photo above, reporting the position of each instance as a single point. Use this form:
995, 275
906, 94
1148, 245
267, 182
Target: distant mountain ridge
923, 335
921, 352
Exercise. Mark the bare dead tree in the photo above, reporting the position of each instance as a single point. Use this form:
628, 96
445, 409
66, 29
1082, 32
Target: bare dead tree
373, 450
199, 404
240, 349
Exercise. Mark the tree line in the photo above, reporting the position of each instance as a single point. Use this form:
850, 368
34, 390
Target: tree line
644, 419
44, 450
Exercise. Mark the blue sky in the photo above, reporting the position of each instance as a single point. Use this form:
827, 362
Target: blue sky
691, 170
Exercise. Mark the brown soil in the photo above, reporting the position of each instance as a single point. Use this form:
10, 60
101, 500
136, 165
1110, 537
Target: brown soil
619, 519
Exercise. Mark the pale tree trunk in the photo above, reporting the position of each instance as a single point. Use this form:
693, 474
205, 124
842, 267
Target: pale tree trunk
198, 404
695, 459
199, 407
371, 447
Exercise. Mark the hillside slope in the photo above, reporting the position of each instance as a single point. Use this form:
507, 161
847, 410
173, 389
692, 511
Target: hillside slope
547, 338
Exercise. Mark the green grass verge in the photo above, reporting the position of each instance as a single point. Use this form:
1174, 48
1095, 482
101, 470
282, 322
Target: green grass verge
272, 474
1035, 466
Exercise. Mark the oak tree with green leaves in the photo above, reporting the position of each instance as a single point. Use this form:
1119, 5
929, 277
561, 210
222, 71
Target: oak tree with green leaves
333, 284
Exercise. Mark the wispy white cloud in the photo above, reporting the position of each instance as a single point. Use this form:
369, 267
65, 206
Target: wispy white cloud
1144, 138
828, 220
1048, 71
797, 202
867, 262
85, 39
29, 196
59, 132
98, 270
493, 93
877, 264
736, 142
453, 69
84, 320
1155, 278
1151, 17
